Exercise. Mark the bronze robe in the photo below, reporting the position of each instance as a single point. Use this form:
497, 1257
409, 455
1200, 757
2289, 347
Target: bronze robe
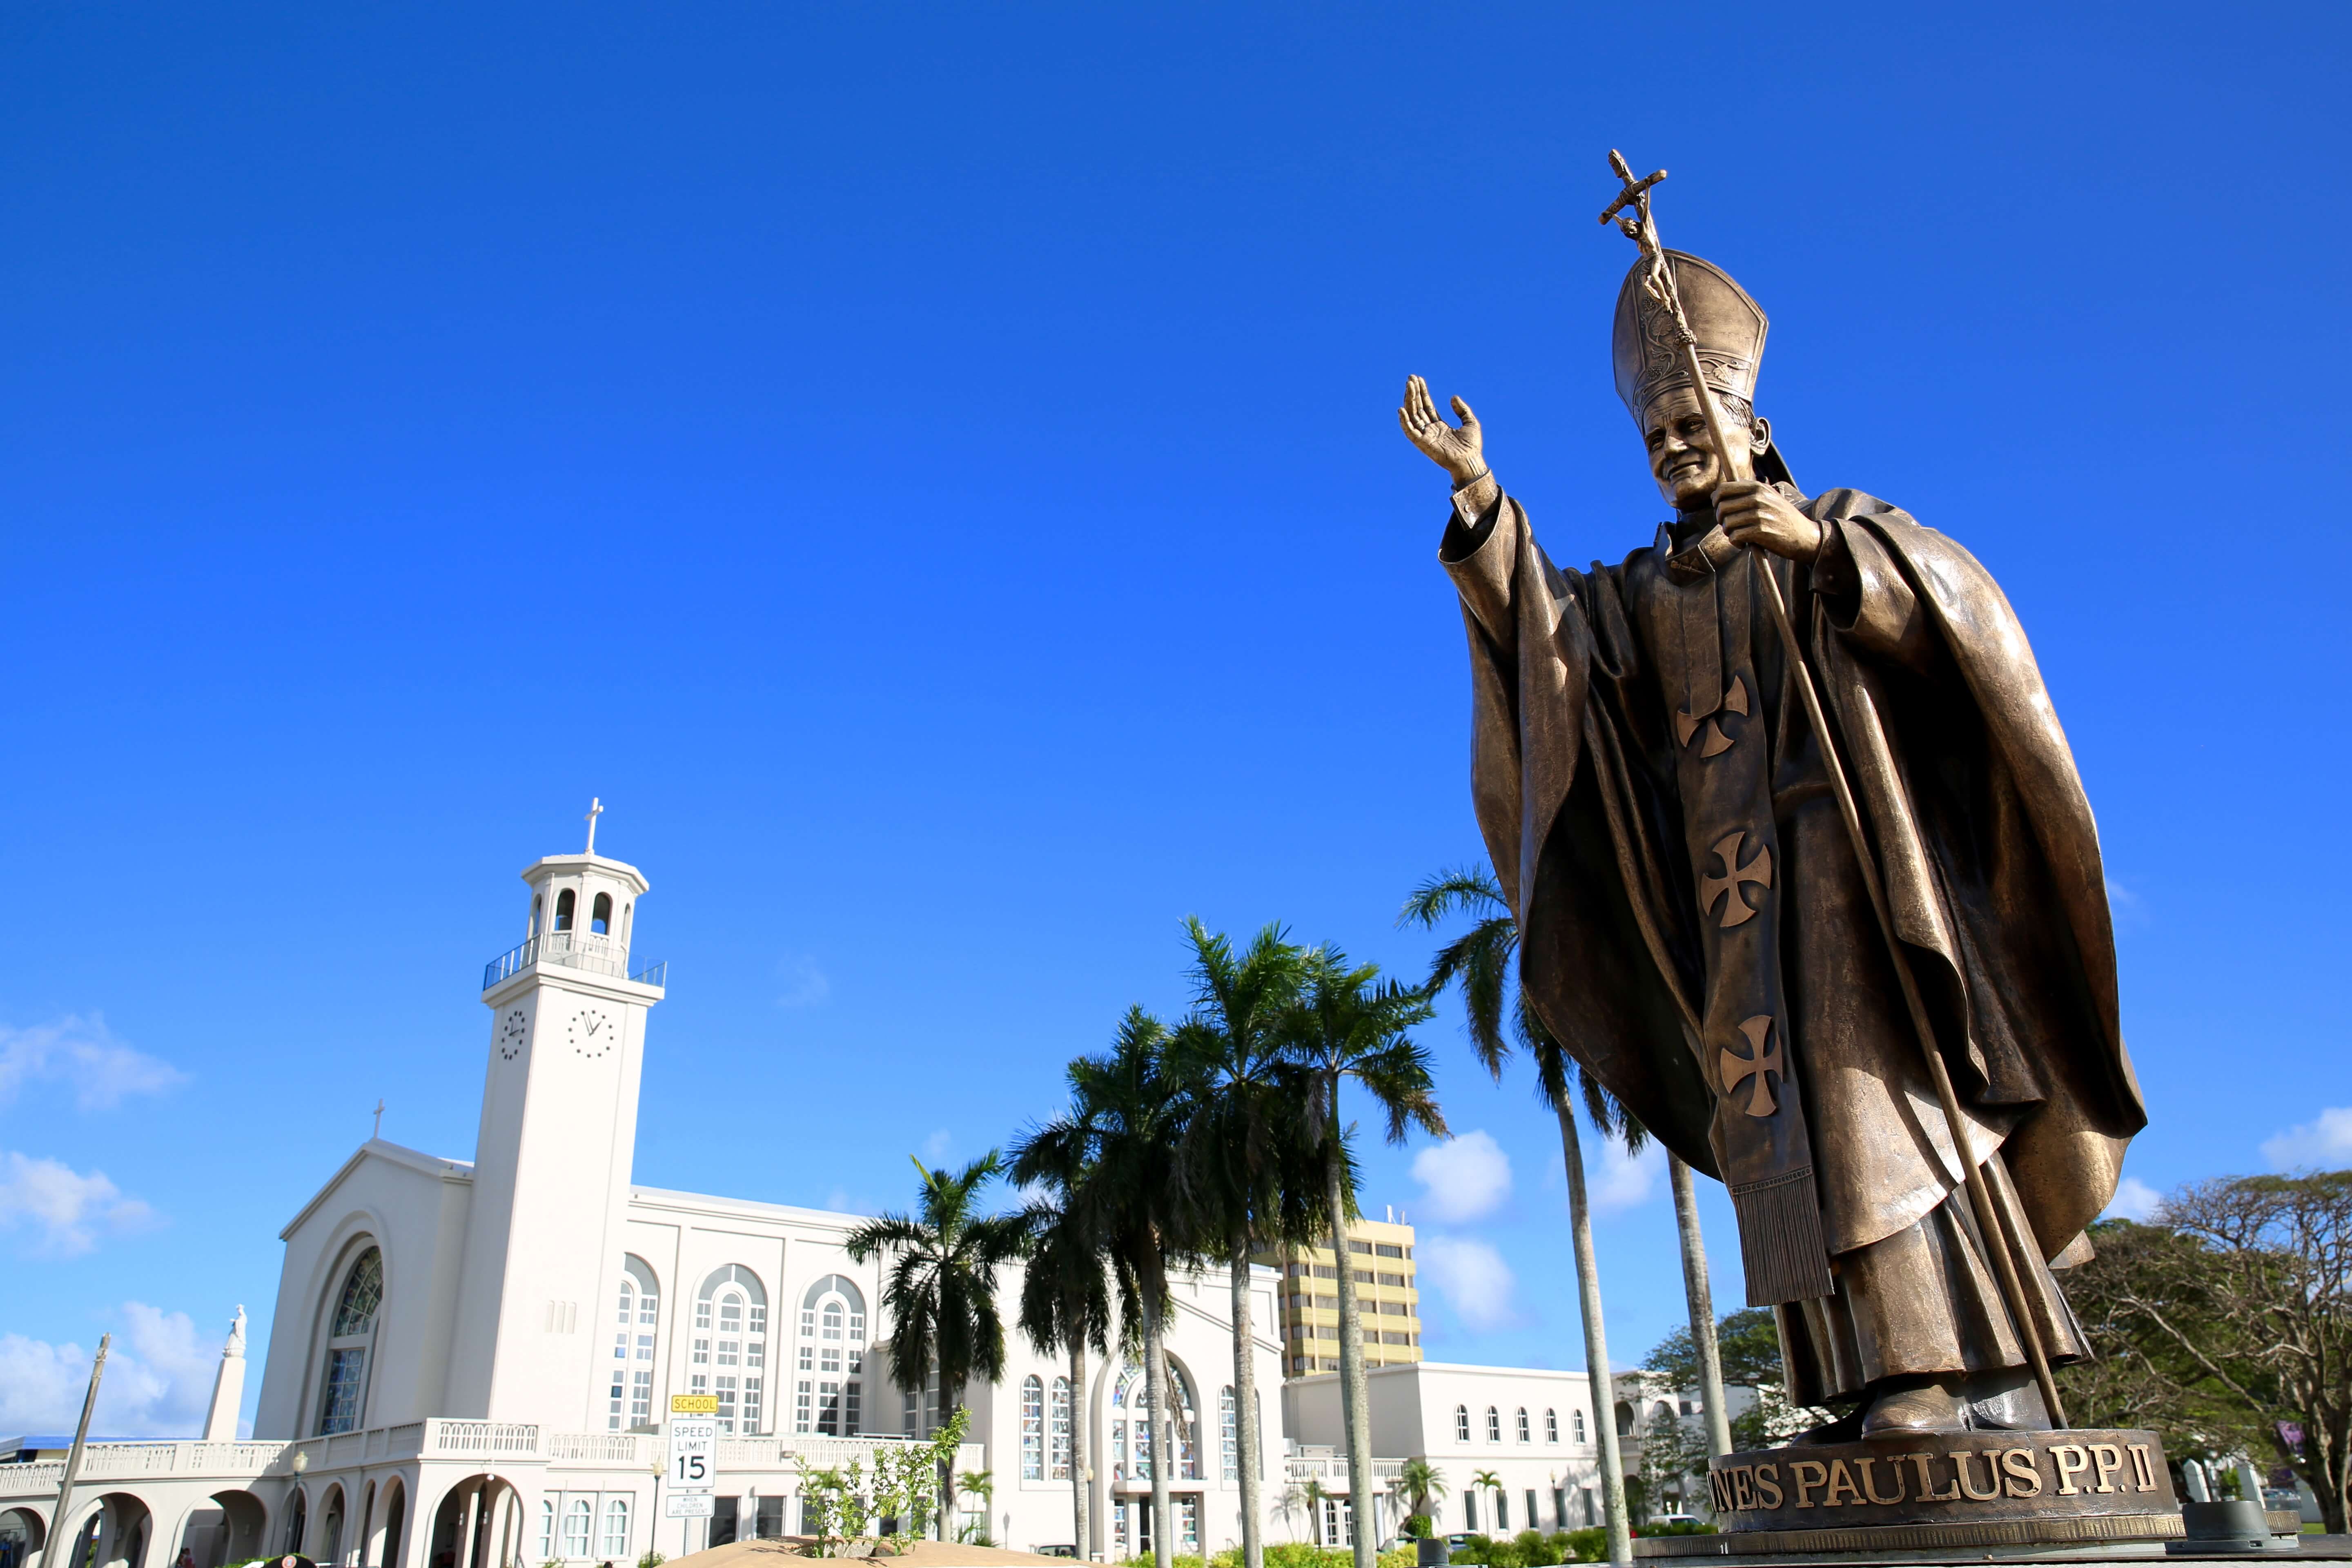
1692, 914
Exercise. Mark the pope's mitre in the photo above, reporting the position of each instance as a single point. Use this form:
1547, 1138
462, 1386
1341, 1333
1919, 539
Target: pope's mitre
1728, 325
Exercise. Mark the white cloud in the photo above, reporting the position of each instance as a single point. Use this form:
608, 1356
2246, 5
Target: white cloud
65, 1208
1472, 1276
2324, 1144
936, 1147
158, 1384
101, 1069
805, 984
1625, 1181
2135, 1199
1464, 1177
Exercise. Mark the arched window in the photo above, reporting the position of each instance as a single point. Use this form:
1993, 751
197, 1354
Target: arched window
1551, 1435
538, 908
1033, 1428
350, 1334
600, 915
1624, 1420
1057, 1431
546, 1527
564, 901
832, 1360
616, 1528
1576, 1425
1462, 1423
1229, 1437
1134, 1449
730, 1355
1662, 1414
1494, 1425
578, 1521
635, 1322
298, 1521
1521, 1428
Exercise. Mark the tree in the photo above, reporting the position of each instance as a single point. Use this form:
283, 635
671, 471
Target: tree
2252, 1298
1348, 1023
1479, 962
1489, 1481
940, 1290
1422, 1482
1246, 1145
1118, 1140
1750, 1342
1065, 1307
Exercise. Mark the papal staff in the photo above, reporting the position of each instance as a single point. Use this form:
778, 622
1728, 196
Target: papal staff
1658, 282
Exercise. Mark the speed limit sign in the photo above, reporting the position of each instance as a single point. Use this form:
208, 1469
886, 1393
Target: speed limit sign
693, 1452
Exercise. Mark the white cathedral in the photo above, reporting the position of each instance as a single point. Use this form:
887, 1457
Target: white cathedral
470, 1362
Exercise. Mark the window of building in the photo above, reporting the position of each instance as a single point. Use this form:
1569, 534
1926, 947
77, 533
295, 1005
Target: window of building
1462, 1431
350, 1334
1494, 1425
1033, 1428
1552, 1425
538, 908
565, 902
1133, 1393
578, 1521
637, 1315
833, 1346
1502, 1511
1363, 1247
616, 1528
732, 1307
1576, 1425
1386, 1250
1229, 1437
546, 1529
600, 915
1470, 1511
1522, 1427
1559, 1508
1058, 1432
1531, 1508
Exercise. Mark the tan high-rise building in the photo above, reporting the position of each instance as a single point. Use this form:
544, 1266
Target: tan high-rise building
1388, 1299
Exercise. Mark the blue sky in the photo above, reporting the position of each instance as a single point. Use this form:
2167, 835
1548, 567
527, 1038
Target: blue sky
933, 471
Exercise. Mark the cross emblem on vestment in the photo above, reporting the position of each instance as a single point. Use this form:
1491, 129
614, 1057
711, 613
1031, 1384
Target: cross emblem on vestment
1737, 911
1735, 701
1763, 1066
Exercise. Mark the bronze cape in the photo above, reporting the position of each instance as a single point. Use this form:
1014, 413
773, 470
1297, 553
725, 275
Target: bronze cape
1695, 933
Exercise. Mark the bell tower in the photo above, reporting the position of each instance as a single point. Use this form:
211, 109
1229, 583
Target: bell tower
551, 1163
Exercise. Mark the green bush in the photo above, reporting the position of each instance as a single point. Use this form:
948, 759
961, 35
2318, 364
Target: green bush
1590, 1544
1691, 1527
1419, 1527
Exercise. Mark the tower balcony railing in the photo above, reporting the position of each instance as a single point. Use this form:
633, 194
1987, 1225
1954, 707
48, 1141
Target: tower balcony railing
573, 950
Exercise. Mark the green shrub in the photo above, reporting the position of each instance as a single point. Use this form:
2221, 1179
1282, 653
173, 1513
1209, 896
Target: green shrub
1691, 1527
1419, 1527
1590, 1544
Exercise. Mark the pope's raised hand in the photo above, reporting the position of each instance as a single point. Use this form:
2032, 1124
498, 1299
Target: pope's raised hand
1757, 514
1459, 450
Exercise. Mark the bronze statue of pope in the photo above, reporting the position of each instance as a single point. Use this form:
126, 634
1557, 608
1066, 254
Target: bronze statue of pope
1694, 921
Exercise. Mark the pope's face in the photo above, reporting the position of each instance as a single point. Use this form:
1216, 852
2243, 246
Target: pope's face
1682, 459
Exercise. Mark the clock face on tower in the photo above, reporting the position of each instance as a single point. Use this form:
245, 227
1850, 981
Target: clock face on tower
512, 1033
593, 1033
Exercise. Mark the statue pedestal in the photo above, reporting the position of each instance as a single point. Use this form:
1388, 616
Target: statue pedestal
2001, 1494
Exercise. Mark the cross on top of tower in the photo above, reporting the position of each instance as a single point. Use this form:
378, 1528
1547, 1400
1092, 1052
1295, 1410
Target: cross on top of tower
595, 810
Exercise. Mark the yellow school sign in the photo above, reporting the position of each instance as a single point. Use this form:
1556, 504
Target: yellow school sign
694, 1404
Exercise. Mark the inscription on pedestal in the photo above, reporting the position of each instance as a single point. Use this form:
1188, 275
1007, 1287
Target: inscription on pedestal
1950, 1479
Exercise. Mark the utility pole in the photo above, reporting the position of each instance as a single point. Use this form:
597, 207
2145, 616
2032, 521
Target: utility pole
60, 1518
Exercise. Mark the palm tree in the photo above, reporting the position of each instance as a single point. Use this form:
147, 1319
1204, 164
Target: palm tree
1422, 1482
1066, 1305
1351, 1024
941, 1292
1244, 1143
1487, 1480
1124, 1130
1479, 962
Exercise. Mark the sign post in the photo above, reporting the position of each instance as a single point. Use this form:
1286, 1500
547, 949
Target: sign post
693, 1460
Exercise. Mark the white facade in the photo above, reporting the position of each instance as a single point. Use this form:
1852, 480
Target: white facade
1532, 1428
